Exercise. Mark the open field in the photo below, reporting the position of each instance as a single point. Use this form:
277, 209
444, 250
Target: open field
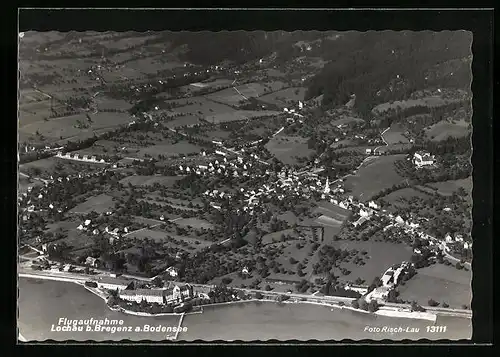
65, 127
448, 187
394, 198
104, 103
276, 236
163, 237
344, 119
284, 148
441, 283
381, 255
236, 115
284, 97
24, 183
376, 176
395, 135
275, 85
431, 101
51, 165
232, 96
444, 129
333, 211
98, 204
140, 180
202, 107
169, 149
46, 165
181, 121
194, 222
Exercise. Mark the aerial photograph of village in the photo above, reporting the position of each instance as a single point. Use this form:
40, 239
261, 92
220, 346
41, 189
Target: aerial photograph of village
244, 186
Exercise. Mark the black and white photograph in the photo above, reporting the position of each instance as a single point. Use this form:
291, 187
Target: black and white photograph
244, 185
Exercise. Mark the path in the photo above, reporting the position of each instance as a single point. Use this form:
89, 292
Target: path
383, 139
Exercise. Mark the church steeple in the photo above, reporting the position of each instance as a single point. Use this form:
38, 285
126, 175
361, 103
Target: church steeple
327, 186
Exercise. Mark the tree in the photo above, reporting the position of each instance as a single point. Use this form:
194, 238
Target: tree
363, 304
258, 295
158, 282
445, 305
432, 303
355, 304
373, 306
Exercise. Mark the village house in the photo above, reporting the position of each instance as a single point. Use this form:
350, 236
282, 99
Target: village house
109, 283
423, 158
361, 289
92, 262
379, 293
172, 271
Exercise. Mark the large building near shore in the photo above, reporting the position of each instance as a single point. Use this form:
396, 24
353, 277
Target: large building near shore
113, 283
178, 293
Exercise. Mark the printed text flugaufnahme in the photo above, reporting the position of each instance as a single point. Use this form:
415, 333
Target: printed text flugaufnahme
106, 322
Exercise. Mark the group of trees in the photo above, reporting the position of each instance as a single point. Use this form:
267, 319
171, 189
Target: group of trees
372, 306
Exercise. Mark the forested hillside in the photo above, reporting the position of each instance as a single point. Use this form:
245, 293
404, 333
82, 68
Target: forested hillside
387, 66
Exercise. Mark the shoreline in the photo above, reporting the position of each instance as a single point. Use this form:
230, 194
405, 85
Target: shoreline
384, 311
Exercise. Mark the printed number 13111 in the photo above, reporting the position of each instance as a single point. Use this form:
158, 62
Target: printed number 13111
436, 329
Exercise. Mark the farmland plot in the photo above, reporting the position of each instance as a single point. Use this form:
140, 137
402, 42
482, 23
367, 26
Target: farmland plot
140, 180
238, 115
284, 148
441, 283
381, 255
444, 129
285, 96
99, 204
169, 149
377, 175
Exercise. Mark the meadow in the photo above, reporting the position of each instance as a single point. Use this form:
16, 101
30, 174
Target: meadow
375, 176
182, 121
447, 188
232, 96
395, 135
444, 129
140, 180
380, 256
441, 283
431, 101
283, 97
169, 149
99, 204
285, 148
395, 198
194, 222
238, 115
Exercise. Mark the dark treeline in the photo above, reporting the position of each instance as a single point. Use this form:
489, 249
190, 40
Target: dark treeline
366, 64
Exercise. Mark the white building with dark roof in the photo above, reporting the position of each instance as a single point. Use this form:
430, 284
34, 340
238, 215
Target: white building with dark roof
423, 158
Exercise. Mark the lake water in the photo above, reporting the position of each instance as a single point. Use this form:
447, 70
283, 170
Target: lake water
42, 303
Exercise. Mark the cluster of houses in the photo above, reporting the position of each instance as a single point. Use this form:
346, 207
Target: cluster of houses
365, 212
226, 166
86, 158
456, 240
34, 202
114, 233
